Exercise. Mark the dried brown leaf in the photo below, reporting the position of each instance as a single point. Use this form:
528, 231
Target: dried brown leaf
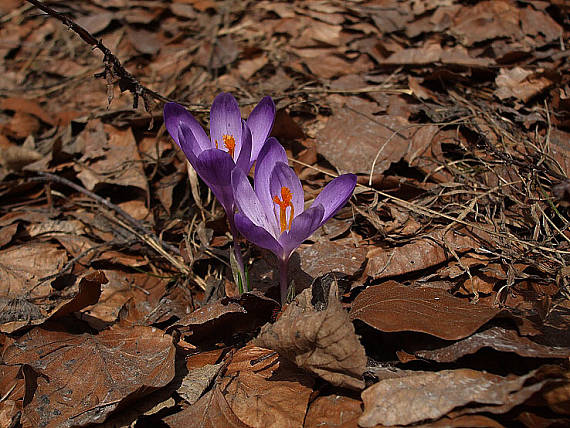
486, 20
422, 253
393, 307
496, 338
82, 378
322, 342
220, 320
264, 390
351, 141
212, 411
110, 156
427, 396
197, 381
334, 411
520, 84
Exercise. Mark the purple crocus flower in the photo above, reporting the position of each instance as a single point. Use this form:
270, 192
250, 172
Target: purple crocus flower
232, 141
232, 144
273, 216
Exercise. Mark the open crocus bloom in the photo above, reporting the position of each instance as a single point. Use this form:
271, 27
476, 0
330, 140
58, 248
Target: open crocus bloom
232, 142
273, 216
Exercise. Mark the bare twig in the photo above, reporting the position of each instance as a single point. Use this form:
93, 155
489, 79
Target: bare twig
114, 71
130, 224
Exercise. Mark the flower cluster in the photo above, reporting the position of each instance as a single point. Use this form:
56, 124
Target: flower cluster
272, 213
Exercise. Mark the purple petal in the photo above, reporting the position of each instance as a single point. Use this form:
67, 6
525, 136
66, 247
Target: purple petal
258, 235
244, 150
283, 176
335, 194
303, 226
271, 153
225, 119
174, 116
189, 144
215, 168
247, 201
260, 121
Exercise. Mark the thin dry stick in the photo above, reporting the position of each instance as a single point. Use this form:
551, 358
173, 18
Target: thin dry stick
114, 71
133, 225
427, 211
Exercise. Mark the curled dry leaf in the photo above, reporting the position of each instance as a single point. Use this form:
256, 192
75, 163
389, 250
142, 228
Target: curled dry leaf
427, 396
393, 307
220, 320
258, 389
18, 312
422, 253
351, 141
334, 411
520, 84
197, 381
82, 378
264, 390
499, 339
212, 410
322, 342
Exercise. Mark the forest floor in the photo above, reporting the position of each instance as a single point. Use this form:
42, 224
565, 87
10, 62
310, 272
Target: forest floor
438, 296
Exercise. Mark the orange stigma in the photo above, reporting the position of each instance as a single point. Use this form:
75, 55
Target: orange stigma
284, 202
230, 143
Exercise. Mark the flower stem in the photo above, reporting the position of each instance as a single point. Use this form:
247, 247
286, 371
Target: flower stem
237, 253
283, 283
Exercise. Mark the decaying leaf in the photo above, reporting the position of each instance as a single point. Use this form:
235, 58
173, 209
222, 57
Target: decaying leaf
212, 410
393, 307
497, 338
18, 312
322, 342
421, 253
334, 411
223, 318
264, 390
356, 147
426, 396
82, 378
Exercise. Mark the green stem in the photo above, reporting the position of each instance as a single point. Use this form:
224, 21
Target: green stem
237, 252
283, 283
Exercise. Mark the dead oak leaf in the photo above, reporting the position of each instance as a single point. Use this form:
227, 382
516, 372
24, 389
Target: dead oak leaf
428, 396
424, 252
82, 378
354, 142
392, 307
264, 390
321, 342
496, 338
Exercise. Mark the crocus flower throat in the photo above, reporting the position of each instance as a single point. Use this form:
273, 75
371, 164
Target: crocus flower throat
284, 202
229, 142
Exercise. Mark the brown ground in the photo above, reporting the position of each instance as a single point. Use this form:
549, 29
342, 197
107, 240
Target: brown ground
117, 301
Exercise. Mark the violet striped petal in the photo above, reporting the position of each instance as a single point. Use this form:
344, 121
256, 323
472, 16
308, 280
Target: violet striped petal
247, 201
271, 153
260, 122
225, 120
174, 116
258, 235
335, 194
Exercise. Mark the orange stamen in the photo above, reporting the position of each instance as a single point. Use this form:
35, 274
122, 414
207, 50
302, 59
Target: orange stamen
284, 202
230, 143
216, 141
